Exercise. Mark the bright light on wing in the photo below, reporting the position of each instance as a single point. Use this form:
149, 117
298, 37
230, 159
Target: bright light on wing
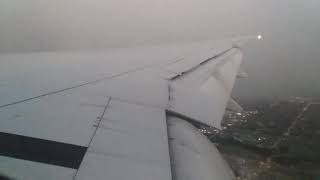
259, 37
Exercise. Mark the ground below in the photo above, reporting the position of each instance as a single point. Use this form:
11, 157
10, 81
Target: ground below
272, 140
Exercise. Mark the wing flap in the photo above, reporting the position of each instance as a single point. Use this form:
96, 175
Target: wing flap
131, 143
202, 93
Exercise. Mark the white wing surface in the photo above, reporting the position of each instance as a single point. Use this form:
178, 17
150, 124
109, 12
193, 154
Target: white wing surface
104, 115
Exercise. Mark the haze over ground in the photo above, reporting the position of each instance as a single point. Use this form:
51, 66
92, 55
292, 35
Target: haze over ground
285, 63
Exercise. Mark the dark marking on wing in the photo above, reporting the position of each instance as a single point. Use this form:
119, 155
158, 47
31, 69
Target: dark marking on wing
40, 150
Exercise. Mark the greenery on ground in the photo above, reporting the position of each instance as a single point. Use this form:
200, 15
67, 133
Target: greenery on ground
272, 141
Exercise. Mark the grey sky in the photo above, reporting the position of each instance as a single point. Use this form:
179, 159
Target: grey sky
285, 63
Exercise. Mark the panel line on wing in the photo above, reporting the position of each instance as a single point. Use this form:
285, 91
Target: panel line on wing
89, 83
139, 103
96, 129
200, 64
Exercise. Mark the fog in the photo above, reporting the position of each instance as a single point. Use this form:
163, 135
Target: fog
284, 64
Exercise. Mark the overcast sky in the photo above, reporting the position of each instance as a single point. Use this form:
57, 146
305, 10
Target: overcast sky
285, 63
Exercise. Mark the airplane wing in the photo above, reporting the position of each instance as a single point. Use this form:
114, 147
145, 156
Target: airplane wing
117, 114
